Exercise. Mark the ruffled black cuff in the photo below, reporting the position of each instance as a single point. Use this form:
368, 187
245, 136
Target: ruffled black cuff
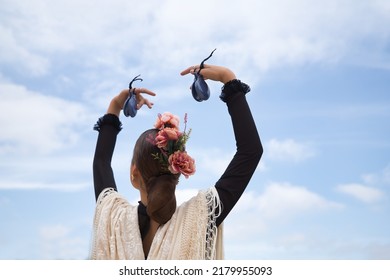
231, 88
108, 119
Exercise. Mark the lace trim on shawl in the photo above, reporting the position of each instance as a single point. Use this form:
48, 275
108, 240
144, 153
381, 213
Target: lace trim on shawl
98, 210
114, 235
214, 207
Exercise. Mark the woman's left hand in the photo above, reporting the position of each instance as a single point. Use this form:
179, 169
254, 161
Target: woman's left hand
213, 72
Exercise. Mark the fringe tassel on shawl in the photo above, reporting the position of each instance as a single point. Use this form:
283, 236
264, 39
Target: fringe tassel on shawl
214, 207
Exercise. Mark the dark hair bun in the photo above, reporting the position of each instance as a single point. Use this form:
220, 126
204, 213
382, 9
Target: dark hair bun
161, 197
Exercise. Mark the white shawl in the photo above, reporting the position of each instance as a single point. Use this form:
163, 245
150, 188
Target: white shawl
191, 233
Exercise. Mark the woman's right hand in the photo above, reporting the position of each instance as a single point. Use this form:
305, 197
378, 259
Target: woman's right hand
212, 72
118, 101
141, 100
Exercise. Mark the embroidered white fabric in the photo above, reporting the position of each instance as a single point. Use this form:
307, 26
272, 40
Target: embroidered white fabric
191, 233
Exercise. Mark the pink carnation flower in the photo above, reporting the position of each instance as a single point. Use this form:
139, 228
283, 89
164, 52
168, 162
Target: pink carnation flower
181, 162
167, 120
166, 134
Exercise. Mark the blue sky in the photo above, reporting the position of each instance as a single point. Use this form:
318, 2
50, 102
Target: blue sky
320, 78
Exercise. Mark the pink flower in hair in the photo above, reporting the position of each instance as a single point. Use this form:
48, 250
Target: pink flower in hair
171, 143
166, 134
181, 162
167, 120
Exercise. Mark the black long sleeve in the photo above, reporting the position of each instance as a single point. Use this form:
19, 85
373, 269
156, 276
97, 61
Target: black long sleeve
235, 179
103, 176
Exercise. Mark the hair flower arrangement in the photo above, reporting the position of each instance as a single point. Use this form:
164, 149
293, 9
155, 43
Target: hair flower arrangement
171, 142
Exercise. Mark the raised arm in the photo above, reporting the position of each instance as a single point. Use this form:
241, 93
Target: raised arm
233, 182
108, 127
235, 179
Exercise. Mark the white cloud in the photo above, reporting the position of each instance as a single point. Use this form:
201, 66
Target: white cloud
27, 185
11, 53
35, 123
261, 216
258, 214
174, 33
57, 242
54, 232
62, 171
286, 245
278, 202
215, 161
378, 178
361, 192
288, 150
284, 199
40, 138
212, 160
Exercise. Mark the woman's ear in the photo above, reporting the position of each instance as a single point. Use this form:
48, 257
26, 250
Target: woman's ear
134, 176
138, 183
